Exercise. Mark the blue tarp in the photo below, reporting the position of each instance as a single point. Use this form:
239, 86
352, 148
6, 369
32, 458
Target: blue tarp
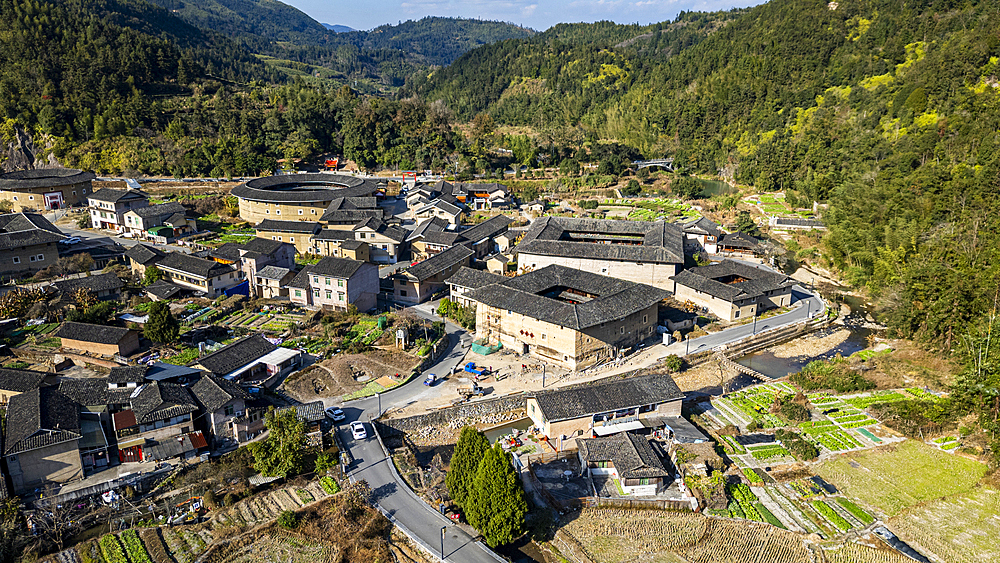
241, 289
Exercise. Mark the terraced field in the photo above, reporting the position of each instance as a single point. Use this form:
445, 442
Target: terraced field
185, 544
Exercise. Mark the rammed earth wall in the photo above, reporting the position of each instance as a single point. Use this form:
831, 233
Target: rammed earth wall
393, 426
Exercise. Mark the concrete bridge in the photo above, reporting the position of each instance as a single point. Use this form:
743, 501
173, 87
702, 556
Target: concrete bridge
667, 163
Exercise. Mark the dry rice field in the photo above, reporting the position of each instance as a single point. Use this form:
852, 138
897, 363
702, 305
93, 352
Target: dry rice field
959, 529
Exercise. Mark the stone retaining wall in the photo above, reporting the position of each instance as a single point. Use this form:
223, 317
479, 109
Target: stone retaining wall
475, 409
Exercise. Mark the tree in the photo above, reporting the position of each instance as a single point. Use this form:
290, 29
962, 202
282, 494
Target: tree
280, 454
631, 189
98, 314
153, 274
746, 224
472, 445
162, 326
496, 505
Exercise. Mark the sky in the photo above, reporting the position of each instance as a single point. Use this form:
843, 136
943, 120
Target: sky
536, 14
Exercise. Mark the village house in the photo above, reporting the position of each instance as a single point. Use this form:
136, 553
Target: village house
701, 235
251, 361
161, 223
162, 290
102, 286
159, 418
336, 283
42, 440
468, 279
481, 238
142, 256
98, 339
450, 212
28, 244
627, 458
739, 245
108, 207
637, 251
45, 188
198, 274
221, 401
345, 212
331, 242
732, 290
272, 282
16, 381
298, 233
572, 318
254, 255
418, 283
477, 197
606, 408
795, 224
384, 241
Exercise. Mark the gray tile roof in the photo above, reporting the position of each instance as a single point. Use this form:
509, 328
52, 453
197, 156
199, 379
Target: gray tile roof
739, 240
353, 244
661, 243
163, 289
309, 412
212, 392
447, 207
273, 273
347, 216
336, 267
495, 226
114, 196
236, 355
301, 279
732, 281
702, 226
194, 266
630, 453
334, 234
396, 234
100, 282
439, 262
434, 224
607, 396
43, 178
540, 294
793, 222
474, 279
85, 332
26, 229
289, 188
92, 392
159, 210
144, 254
443, 238
20, 380
127, 374
39, 418
270, 225
160, 401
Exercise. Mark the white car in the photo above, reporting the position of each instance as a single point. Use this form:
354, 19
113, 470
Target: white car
335, 414
70, 240
358, 430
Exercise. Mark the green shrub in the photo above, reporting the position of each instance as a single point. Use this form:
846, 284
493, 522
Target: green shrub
288, 520
329, 486
230, 499
831, 374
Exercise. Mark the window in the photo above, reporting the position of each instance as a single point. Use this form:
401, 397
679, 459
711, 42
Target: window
329, 294
277, 212
279, 238
621, 330
328, 281
31, 197
15, 198
298, 293
737, 315
274, 237
402, 293
291, 239
229, 410
17, 259
543, 336
32, 258
385, 247
644, 321
316, 292
313, 211
340, 283
315, 279
268, 211
340, 296
300, 212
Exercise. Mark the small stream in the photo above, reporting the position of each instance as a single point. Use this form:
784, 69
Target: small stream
772, 366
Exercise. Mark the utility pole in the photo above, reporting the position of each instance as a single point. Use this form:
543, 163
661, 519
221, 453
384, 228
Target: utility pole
755, 321
443, 530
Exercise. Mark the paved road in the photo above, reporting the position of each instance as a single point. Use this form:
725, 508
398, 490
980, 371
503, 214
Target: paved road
811, 305
94, 239
394, 497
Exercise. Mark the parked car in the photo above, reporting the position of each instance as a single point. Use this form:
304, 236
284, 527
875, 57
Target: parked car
358, 430
335, 414
70, 240
431, 380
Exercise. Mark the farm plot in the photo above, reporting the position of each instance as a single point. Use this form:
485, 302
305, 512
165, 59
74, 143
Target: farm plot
753, 403
892, 478
616, 536
347, 373
851, 552
274, 547
962, 529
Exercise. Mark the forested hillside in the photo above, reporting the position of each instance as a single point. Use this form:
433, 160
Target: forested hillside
885, 110
250, 19
79, 69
